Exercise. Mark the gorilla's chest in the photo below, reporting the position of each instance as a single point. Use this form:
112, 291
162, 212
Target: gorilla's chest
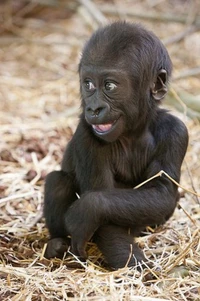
128, 163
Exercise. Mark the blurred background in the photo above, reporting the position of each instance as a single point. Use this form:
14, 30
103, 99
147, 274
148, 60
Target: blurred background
40, 48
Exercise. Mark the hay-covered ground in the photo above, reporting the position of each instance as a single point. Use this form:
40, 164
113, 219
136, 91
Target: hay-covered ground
39, 106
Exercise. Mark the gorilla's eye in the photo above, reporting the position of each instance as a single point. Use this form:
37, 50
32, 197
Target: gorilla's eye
110, 86
89, 86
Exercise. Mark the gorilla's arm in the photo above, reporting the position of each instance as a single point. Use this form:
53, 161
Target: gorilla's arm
152, 204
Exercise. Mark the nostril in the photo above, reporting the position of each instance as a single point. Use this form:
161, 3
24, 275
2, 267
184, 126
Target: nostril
94, 112
97, 111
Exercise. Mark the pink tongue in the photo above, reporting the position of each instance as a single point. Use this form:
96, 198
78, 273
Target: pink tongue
102, 127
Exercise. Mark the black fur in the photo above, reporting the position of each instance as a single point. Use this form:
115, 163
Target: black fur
123, 138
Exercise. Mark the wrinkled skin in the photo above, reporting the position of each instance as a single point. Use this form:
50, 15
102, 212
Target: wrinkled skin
122, 139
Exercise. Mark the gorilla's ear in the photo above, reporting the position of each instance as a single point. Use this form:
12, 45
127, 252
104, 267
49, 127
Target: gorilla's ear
159, 88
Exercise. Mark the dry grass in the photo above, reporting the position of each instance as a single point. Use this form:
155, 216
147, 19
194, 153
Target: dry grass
39, 102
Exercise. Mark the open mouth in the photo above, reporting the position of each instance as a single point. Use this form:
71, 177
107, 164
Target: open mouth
103, 128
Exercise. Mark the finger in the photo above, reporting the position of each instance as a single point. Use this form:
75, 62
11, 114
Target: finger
78, 249
82, 252
56, 247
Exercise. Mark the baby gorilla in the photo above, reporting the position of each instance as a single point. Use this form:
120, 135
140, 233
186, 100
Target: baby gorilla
123, 138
